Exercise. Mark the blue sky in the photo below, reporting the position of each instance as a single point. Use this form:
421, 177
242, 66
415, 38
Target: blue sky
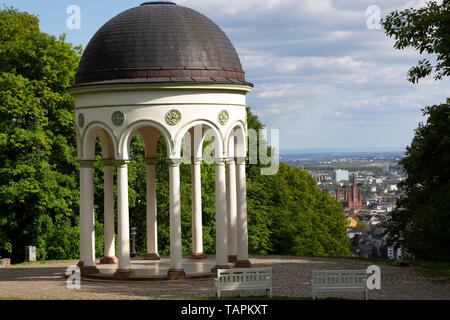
321, 76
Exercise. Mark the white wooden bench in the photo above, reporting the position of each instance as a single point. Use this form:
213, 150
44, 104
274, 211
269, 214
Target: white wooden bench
339, 280
244, 279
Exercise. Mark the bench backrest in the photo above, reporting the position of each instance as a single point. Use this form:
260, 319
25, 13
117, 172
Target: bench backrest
244, 275
339, 278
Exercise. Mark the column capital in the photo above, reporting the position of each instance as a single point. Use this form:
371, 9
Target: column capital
220, 161
87, 163
108, 162
241, 160
150, 161
195, 160
174, 162
230, 161
121, 163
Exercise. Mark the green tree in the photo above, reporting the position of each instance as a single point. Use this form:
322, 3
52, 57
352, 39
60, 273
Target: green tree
428, 31
361, 226
423, 215
288, 214
38, 169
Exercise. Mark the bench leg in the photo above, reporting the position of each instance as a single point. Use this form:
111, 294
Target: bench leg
366, 295
314, 295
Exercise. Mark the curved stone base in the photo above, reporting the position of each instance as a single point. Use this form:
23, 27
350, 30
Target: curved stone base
176, 274
243, 264
87, 270
198, 256
225, 266
232, 258
152, 256
109, 260
123, 274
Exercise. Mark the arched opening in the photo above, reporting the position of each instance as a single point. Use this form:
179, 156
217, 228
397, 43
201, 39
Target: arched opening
236, 140
147, 147
97, 149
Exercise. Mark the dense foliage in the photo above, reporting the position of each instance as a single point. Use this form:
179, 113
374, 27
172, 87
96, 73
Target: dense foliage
38, 169
423, 216
39, 196
427, 30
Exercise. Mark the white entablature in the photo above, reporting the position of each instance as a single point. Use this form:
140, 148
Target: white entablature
119, 111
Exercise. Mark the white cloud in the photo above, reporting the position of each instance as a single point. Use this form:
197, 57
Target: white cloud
318, 70
290, 90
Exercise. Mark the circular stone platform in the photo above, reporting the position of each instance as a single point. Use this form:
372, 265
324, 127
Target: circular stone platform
156, 270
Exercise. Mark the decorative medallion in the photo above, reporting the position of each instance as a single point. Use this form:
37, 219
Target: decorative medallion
118, 118
173, 117
224, 117
81, 120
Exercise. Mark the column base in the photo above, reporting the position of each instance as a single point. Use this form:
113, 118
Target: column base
232, 258
109, 260
176, 274
198, 256
123, 274
223, 266
243, 264
152, 256
87, 270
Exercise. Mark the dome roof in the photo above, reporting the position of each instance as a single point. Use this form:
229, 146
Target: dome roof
160, 42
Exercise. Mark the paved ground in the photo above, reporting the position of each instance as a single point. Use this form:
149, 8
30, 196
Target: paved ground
291, 279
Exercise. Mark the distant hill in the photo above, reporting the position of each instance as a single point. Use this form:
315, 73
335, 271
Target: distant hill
340, 151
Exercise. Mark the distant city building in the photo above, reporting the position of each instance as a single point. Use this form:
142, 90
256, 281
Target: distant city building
352, 198
351, 222
340, 175
320, 177
393, 187
390, 252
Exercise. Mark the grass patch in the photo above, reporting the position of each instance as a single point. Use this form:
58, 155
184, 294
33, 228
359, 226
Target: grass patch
372, 260
434, 269
42, 262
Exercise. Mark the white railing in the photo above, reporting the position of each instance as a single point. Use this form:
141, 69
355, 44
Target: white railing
244, 279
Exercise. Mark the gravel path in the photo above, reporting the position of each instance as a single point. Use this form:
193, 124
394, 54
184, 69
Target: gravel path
291, 278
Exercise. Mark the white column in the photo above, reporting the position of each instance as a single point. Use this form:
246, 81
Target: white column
87, 218
123, 220
110, 251
176, 265
197, 228
152, 226
231, 210
221, 215
242, 236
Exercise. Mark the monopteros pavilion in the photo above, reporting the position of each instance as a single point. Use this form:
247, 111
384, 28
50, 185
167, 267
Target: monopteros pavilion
155, 70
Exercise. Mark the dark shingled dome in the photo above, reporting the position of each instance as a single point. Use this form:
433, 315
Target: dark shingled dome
160, 42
